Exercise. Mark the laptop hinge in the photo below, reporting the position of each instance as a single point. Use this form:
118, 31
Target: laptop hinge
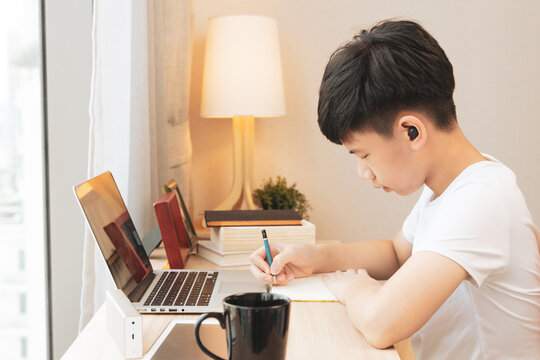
141, 287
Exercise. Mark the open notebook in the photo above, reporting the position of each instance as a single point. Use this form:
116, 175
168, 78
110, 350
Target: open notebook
310, 288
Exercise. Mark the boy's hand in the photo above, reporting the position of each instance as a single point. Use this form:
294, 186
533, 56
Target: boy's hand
341, 284
290, 261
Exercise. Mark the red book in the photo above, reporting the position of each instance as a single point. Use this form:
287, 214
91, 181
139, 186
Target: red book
124, 247
173, 232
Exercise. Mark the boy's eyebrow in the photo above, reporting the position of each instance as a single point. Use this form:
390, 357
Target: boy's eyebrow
354, 151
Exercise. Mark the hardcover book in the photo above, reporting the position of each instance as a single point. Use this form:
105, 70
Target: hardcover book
172, 186
251, 217
249, 238
209, 250
173, 231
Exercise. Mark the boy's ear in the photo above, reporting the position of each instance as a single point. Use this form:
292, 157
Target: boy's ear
412, 129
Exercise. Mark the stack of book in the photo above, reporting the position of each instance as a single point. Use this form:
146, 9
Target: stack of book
235, 234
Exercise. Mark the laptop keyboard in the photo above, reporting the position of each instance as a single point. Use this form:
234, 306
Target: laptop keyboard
182, 288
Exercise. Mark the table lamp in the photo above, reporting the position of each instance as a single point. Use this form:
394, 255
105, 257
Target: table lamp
242, 79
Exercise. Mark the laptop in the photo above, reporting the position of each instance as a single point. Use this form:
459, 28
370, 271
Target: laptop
150, 290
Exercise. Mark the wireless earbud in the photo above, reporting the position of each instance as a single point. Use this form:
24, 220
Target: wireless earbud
413, 132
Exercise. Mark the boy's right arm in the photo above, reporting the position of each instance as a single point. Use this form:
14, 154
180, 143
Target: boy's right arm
380, 258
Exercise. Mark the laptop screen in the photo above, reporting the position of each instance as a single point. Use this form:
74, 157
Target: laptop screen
114, 231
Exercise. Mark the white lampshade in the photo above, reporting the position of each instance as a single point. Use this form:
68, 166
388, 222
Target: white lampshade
242, 69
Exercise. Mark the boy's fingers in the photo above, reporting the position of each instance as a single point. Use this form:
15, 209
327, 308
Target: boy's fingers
259, 262
280, 260
261, 276
362, 272
283, 277
259, 256
289, 273
260, 252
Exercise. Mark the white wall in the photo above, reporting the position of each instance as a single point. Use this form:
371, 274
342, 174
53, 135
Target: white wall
493, 46
68, 46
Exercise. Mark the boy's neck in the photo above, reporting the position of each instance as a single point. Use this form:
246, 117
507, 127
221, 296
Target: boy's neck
450, 154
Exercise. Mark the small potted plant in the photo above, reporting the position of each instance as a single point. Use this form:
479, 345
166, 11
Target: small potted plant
277, 195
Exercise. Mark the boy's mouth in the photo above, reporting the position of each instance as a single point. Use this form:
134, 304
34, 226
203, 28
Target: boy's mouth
387, 189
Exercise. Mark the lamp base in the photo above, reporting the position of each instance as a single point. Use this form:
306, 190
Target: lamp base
240, 196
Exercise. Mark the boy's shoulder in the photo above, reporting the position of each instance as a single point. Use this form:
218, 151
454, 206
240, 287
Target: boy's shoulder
491, 174
480, 180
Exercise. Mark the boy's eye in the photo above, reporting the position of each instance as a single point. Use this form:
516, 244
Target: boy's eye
365, 156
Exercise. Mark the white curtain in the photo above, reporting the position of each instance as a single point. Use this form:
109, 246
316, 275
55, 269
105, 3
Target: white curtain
139, 128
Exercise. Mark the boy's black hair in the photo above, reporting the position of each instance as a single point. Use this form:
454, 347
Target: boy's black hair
394, 66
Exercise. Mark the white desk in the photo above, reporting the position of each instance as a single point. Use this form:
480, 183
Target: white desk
316, 330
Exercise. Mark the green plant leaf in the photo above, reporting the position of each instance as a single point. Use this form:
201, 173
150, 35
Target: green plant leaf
277, 195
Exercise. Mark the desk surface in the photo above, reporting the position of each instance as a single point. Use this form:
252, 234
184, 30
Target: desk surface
316, 330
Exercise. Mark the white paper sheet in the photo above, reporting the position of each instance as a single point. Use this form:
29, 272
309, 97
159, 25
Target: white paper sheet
310, 288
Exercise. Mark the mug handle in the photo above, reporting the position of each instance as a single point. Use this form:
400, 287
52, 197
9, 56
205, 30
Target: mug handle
220, 317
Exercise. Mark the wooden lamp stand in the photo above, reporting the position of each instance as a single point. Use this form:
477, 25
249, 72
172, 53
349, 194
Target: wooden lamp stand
240, 195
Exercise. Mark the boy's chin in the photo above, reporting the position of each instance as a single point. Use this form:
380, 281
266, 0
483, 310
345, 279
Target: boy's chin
406, 192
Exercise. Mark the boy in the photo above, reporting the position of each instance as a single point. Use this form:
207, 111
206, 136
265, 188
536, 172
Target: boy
463, 273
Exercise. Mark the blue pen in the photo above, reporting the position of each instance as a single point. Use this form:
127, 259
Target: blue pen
268, 253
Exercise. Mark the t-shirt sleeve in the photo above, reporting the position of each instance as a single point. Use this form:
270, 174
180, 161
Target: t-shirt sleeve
472, 229
411, 222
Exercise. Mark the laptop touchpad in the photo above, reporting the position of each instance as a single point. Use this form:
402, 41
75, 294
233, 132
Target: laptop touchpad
234, 287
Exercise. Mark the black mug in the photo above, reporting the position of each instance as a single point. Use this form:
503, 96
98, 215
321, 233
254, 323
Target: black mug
256, 326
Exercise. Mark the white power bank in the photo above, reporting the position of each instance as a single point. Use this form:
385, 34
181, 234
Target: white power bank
124, 324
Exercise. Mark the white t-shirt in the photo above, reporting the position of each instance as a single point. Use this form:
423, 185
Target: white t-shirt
481, 222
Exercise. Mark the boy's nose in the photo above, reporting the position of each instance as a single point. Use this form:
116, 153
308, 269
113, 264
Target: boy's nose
365, 172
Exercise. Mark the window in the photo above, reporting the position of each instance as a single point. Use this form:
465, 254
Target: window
23, 267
